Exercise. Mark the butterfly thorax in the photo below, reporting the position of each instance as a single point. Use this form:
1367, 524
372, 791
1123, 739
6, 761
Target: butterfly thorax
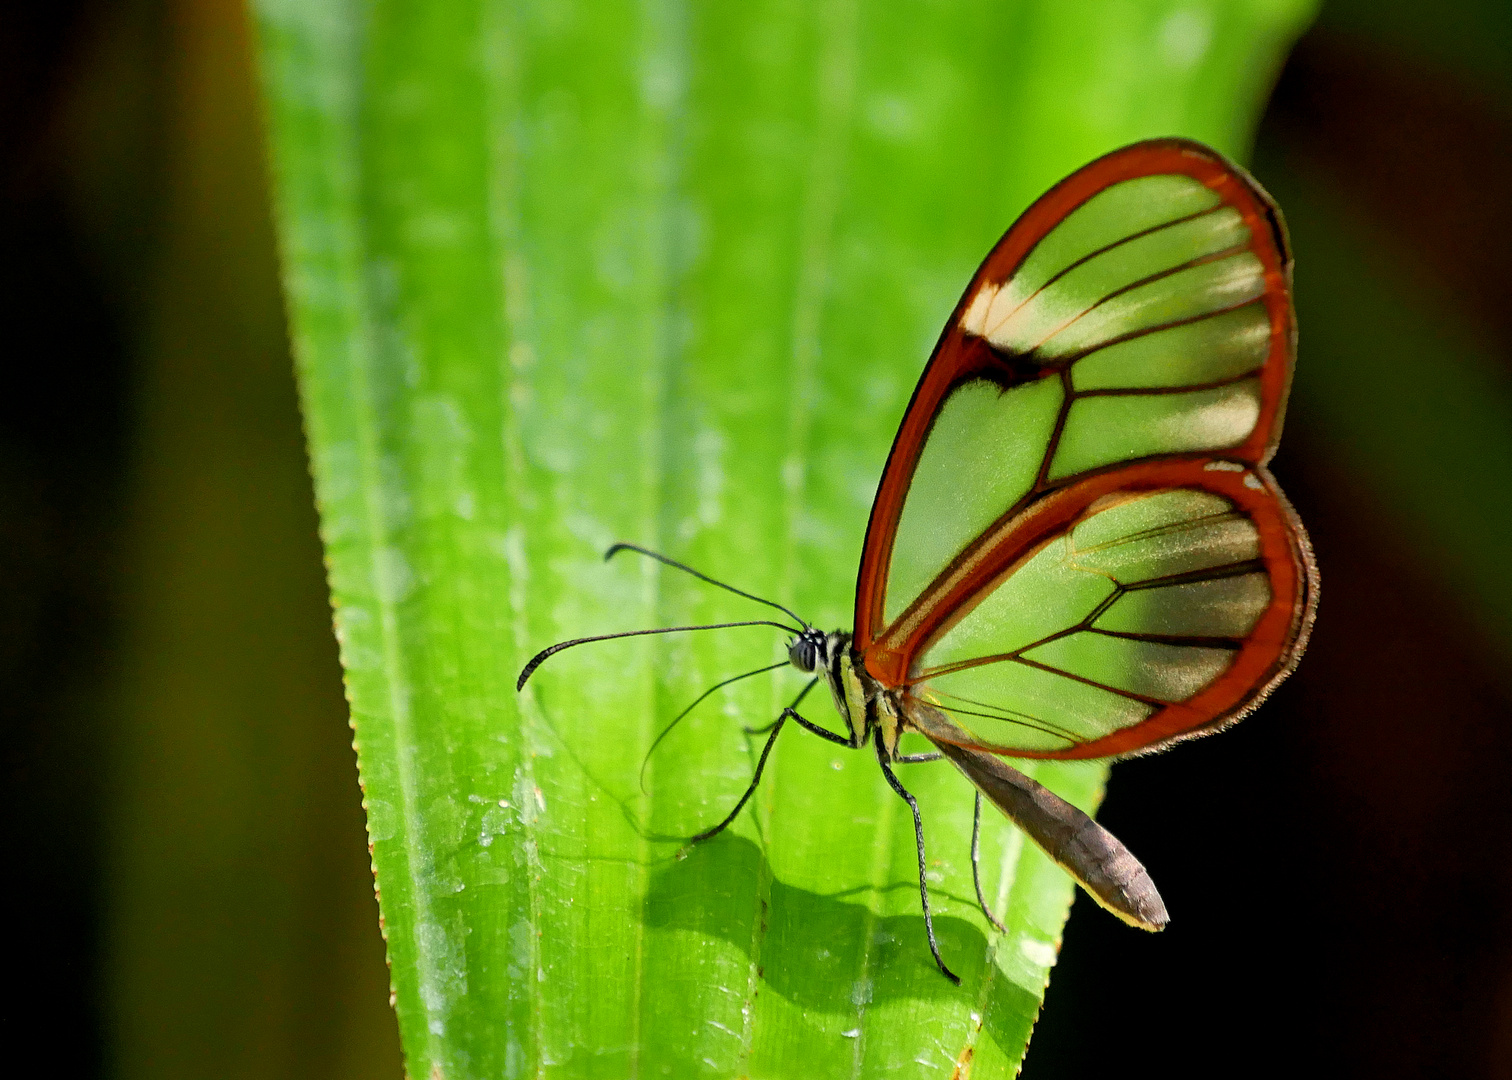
859, 699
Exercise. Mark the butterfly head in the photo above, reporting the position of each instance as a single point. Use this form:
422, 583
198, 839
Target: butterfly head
809, 650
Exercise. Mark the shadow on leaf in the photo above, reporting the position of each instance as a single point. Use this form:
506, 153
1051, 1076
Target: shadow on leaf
824, 952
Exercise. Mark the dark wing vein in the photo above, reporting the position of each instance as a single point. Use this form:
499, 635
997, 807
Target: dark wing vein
1195, 640
1131, 695
1209, 573
1101, 251
1200, 260
1171, 528
1071, 358
1006, 716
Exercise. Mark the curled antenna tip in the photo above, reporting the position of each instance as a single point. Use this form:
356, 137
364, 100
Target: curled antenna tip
529, 669
545, 654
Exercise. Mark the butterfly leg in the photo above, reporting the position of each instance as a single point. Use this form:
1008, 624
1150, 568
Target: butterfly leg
807, 725
976, 837
976, 864
822, 732
913, 805
760, 765
775, 727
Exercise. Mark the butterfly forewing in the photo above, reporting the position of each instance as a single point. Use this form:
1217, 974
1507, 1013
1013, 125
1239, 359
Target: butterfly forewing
1075, 549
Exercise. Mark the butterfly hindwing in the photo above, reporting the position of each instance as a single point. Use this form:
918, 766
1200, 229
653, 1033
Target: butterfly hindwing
1119, 613
1075, 549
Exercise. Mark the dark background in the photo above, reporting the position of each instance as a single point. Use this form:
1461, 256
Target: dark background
1337, 868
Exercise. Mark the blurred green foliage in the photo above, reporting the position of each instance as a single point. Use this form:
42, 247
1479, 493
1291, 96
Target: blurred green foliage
1468, 40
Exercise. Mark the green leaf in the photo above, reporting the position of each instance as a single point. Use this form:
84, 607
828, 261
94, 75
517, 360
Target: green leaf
563, 274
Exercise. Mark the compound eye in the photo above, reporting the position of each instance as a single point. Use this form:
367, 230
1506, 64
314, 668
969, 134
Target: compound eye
802, 655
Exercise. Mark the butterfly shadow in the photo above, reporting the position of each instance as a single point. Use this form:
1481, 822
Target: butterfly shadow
812, 947
825, 952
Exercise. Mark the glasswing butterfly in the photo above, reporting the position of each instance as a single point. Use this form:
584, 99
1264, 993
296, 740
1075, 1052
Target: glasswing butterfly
1076, 550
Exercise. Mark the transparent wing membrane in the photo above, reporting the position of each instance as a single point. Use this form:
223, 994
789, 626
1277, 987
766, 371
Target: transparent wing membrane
1108, 429
1017, 706
1208, 350
984, 455
1139, 604
1151, 669
1116, 217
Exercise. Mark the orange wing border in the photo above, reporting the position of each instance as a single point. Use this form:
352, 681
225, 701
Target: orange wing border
958, 356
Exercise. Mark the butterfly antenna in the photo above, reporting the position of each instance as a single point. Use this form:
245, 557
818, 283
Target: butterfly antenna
617, 548
675, 720
545, 654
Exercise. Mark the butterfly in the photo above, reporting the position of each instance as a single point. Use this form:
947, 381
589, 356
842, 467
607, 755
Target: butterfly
1076, 550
